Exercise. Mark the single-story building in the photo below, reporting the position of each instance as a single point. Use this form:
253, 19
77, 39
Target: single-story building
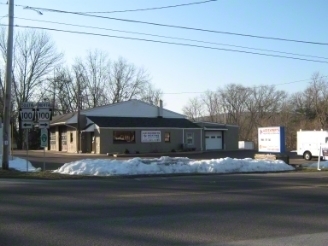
136, 127
219, 136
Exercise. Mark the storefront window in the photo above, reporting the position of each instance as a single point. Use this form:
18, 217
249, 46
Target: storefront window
167, 137
124, 137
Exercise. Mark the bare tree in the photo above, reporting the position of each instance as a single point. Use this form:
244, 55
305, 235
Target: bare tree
35, 56
233, 98
291, 120
95, 81
151, 95
102, 81
213, 107
194, 110
126, 81
318, 92
246, 107
61, 91
267, 103
311, 105
95, 72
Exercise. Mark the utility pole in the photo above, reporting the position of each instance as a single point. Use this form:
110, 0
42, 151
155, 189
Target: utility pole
78, 114
54, 94
7, 102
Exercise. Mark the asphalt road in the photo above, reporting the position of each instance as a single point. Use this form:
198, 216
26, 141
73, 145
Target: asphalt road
54, 160
241, 209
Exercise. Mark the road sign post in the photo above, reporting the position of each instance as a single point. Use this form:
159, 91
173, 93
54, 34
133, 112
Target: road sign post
27, 149
43, 114
43, 117
44, 144
44, 138
27, 116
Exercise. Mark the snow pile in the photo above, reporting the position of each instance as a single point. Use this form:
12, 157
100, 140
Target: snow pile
323, 165
21, 165
169, 165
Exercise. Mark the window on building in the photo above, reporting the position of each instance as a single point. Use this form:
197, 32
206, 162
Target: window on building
53, 140
167, 137
190, 138
63, 138
71, 137
124, 137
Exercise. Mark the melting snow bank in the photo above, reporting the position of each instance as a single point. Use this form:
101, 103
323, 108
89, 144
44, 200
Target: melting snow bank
169, 165
323, 165
21, 165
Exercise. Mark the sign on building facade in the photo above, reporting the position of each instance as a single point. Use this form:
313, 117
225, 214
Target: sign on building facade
150, 136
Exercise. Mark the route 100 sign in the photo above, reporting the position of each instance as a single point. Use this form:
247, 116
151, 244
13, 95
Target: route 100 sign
44, 115
27, 115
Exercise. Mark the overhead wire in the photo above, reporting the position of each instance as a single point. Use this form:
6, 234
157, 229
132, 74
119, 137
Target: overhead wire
253, 87
173, 26
143, 9
149, 9
185, 39
170, 43
170, 37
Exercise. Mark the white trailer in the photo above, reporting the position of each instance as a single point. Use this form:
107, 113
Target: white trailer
308, 143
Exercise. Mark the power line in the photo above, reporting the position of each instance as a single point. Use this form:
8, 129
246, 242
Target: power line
170, 37
254, 87
173, 26
171, 43
154, 8
3, 16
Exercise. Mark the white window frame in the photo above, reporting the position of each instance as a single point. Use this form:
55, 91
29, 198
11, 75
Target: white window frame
190, 135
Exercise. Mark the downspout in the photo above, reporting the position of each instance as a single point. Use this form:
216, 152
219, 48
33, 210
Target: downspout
201, 139
183, 137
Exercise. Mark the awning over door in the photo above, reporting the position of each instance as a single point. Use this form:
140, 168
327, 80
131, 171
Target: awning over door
90, 128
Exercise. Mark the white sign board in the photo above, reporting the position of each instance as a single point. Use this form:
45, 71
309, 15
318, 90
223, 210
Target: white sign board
150, 136
43, 105
27, 115
27, 105
44, 115
43, 124
271, 139
27, 125
44, 138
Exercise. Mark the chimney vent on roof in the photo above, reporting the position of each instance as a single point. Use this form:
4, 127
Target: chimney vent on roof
160, 109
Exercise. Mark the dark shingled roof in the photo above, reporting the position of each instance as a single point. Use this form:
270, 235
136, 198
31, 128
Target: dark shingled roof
210, 125
142, 122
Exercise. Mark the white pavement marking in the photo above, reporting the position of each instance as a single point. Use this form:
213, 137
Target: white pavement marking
318, 239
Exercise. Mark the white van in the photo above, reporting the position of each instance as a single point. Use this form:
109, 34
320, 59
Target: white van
308, 143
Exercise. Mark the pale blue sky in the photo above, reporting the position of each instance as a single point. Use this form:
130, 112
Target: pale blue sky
176, 69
